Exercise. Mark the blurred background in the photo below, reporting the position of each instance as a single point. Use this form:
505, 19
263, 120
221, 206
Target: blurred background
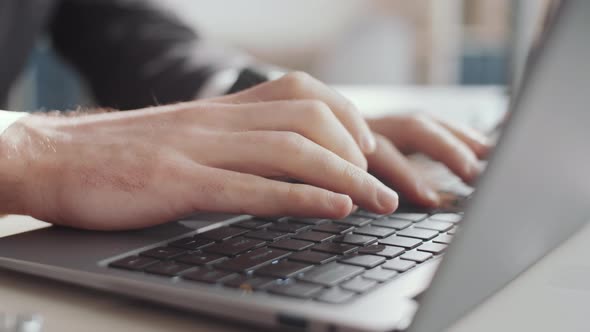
344, 42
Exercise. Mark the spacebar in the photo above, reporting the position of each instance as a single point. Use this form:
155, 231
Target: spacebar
253, 259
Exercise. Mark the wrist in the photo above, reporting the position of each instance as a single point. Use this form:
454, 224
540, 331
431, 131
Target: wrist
23, 148
13, 164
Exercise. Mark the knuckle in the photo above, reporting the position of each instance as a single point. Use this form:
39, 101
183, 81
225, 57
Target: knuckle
418, 121
291, 141
318, 111
297, 81
354, 173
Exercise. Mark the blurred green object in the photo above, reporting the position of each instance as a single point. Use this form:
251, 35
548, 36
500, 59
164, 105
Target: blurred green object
484, 67
48, 83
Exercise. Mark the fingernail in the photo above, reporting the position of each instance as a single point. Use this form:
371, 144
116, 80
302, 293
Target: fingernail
368, 143
387, 199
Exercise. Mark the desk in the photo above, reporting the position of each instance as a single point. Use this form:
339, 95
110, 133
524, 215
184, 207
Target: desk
67, 308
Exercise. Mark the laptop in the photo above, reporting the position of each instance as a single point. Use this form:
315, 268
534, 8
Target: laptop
412, 270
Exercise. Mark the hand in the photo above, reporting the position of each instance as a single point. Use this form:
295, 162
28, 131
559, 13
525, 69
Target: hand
139, 168
457, 147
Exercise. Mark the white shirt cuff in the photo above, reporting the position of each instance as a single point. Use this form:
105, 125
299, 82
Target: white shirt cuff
219, 83
8, 118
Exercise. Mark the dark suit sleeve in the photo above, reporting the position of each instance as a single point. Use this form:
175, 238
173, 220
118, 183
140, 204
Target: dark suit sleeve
134, 54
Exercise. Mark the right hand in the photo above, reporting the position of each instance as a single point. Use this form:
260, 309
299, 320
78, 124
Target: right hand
139, 168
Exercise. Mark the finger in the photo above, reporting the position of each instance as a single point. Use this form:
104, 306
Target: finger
218, 190
300, 85
476, 141
390, 165
311, 118
422, 134
274, 154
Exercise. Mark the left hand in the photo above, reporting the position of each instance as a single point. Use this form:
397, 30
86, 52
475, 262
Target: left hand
458, 147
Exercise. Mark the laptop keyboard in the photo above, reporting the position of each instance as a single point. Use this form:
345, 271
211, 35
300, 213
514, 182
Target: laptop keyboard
331, 261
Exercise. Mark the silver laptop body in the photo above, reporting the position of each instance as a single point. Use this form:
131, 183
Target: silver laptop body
534, 195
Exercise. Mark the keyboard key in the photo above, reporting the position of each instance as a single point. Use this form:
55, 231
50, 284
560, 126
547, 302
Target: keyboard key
222, 233
134, 263
379, 232
367, 214
252, 224
207, 275
267, 235
380, 274
163, 252
354, 221
288, 227
366, 261
313, 257
357, 240
438, 226
253, 259
448, 217
331, 274
292, 245
309, 221
168, 268
422, 234
333, 228
392, 223
359, 285
199, 258
234, 246
453, 231
271, 219
443, 238
335, 295
382, 250
283, 269
248, 283
313, 236
335, 248
410, 216
398, 265
191, 243
416, 256
399, 241
295, 289
435, 248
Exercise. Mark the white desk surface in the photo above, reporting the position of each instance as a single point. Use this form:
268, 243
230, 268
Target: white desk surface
68, 308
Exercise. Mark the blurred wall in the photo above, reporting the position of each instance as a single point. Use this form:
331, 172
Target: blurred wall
339, 41
366, 42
